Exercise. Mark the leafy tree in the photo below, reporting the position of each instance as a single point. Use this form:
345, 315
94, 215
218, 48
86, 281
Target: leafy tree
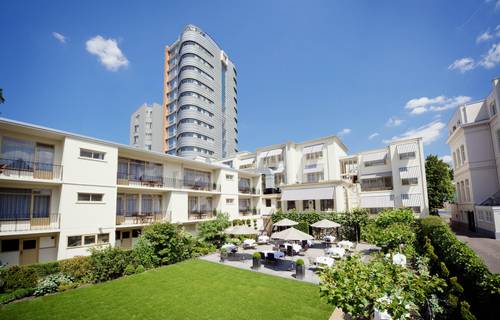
439, 182
213, 231
353, 222
358, 288
2, 99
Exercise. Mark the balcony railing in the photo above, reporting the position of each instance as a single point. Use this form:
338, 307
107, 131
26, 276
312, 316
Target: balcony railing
164, 182
272, 190
247, 190
125, 218
29, 169
49, 222
195, 214
248, 212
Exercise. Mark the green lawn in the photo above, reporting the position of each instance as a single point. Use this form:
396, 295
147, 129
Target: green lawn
193, 289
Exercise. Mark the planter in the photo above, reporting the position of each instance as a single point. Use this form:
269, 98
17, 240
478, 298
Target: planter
300, 271
256, 263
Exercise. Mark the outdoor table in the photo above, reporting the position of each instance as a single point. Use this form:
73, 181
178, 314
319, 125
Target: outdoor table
329, 239
248, 243
229, 247
324, 261
263, 239
337, 252
346, 244
277, 254
295, 247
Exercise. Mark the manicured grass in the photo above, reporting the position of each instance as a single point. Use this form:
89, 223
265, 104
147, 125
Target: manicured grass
192, 289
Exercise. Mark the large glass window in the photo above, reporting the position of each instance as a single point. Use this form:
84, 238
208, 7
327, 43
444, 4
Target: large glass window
20, 204
327, 205
374, 184
196, 179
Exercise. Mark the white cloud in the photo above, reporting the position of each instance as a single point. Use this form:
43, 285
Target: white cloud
497, 31
60, 37
394, 122
485, 36
373, 135
429, 133
436, 104
344, 131
463, 65
108, 52
492, 58
446, 158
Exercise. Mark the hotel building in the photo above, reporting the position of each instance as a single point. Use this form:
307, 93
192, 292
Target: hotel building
146, 127
474, 140
200, 116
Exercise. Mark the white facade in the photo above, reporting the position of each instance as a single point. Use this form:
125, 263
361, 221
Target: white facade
474, 140
319, 175
62, 194
146, 127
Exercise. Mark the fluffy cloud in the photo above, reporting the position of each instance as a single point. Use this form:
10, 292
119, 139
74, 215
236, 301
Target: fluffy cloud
485, 36
344, 131
492, 57
446, 158
373, 135
394, 122
429, 133
439, 103
108, 52
60, 37
462, 65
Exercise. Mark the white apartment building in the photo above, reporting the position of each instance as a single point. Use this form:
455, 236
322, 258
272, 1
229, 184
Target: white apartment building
320, 175
474, 140
146, 127
62, 193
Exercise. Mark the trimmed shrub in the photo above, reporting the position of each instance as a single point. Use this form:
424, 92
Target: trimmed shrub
108, 263
45, 269
140, 269
129, 270
77, 268
16, 294
480, 287
256, 255
299, 262
18, 277
202, 248
51, 284
143, 254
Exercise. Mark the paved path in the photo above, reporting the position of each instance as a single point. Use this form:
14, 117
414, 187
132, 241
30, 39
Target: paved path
488, 249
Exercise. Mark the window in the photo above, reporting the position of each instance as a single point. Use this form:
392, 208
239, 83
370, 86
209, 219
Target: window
493, 109
314, 177
480, 215
326, 205
409, 181
103, 238
74, 241
374, 163
376, 184
459, 194
125, 234
415, 209
136, 233
268, 203
462, 151
407, 155
88, 240
459, 160
229, 201
136, 139
84, 153
10, 245
467, 190
455, 164
90, 197
136, 128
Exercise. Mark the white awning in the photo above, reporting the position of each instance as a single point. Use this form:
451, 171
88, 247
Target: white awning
308, 194
382, 201
412, 200
245, 162
409, 172
374, 156
406, 148
376, 175
275, 152
313, 149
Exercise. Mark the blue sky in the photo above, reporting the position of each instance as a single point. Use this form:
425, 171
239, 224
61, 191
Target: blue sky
305, 69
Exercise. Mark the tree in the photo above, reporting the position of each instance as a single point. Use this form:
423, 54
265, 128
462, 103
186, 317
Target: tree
2, 99
213, 231
439, 182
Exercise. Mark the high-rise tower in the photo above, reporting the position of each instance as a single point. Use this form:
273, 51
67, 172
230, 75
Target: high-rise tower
200, 98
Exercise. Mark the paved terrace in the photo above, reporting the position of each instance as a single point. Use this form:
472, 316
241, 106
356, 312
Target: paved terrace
285, 267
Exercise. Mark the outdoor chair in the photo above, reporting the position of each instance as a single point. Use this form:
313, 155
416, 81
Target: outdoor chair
270, 257
289, 251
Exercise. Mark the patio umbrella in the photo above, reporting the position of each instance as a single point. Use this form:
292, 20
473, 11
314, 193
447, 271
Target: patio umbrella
291, 234
285, 223
241, 230
325, 224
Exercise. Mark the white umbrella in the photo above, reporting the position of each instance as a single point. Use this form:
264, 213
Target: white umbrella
325, 224
285, 223
291, 234
241, 230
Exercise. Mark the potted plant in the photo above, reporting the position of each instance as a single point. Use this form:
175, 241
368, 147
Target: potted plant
256, 260
300, 269
223, 254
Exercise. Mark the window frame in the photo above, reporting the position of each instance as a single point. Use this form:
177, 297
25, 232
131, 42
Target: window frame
94, 154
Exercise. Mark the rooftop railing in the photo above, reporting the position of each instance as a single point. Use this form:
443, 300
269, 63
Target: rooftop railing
42, 222
30, 169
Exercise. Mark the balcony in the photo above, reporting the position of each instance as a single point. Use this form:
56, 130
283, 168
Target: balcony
164, 182
200, 185
196, 214
247, 190
130, 218
19, 168
42, 223
272, 191
248, 212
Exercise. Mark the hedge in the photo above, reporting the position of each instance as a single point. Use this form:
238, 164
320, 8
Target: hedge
481, 287
25, 277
